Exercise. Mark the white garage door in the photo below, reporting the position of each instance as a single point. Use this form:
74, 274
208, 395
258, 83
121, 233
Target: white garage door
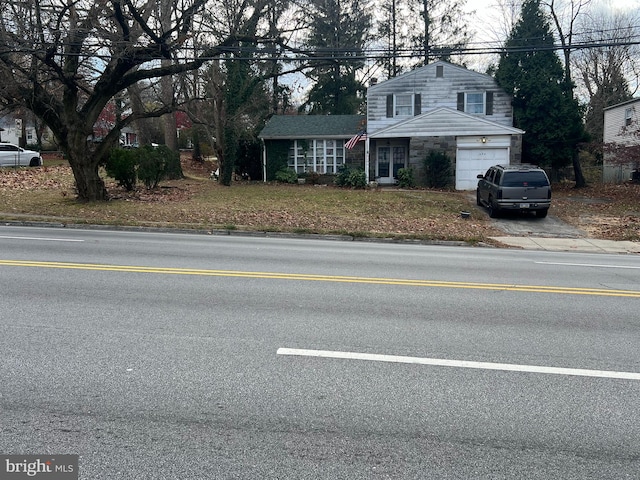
472, 161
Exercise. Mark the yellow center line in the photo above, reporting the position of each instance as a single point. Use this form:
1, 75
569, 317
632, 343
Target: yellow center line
325, 278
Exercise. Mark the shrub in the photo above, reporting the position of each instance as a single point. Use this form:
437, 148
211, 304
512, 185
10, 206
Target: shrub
342, 177
173, 168
286, 175
122, 166
312, 178
156, 164
353, 178
278, 154
358, 179
151, 167
148, 164
405, 178
437, 167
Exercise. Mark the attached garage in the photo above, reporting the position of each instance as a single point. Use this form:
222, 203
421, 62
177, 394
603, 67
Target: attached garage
476, 142
471, 161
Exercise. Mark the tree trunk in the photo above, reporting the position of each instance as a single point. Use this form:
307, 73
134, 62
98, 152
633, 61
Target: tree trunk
137, 106
427, 31
228, 160
84, 164
581, 182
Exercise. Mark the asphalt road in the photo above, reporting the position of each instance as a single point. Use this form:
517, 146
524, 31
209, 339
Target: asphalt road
169, 356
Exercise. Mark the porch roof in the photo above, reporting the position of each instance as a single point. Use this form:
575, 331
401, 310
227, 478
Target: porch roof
312, 126
444, 121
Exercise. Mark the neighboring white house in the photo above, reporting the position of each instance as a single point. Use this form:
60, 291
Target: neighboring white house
12, 127
621, 124
11, 132
441, 107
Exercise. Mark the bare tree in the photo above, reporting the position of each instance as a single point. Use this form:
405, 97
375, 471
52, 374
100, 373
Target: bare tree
66, 59
565, 14
438, 28
608, 72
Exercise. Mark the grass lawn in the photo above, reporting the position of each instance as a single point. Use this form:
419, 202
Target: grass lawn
197, 202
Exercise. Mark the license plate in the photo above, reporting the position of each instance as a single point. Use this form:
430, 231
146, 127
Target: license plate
524, 205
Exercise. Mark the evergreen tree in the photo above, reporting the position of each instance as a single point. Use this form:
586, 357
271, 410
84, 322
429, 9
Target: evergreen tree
543, 105
238, 105
337, 38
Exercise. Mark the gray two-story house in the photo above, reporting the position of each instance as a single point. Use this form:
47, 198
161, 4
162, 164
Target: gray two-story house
440, 107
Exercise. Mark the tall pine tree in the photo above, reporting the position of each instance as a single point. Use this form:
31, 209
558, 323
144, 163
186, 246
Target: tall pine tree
337, 38
543, 104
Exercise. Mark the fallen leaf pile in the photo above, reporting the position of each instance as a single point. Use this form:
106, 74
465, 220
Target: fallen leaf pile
609, 211
35, 178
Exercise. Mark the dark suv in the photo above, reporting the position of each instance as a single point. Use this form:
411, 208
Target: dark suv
522, 187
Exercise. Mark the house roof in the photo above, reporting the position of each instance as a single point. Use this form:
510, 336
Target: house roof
444, 121
628, 102
421, 72
312, 126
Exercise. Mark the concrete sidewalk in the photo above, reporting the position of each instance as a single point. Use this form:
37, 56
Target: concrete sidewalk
570, 244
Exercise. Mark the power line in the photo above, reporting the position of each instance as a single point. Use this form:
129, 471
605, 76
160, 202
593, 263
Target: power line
348, 54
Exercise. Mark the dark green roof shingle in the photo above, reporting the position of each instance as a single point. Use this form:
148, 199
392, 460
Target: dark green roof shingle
312, 126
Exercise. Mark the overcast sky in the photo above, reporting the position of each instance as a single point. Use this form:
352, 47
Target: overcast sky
488, 24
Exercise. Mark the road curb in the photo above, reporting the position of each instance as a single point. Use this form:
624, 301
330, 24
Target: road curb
243, 233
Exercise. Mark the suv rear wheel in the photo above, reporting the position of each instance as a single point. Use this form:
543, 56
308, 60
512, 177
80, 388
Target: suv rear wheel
493, 209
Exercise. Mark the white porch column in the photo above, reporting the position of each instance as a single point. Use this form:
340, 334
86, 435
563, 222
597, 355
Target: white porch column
366, 159
264, 162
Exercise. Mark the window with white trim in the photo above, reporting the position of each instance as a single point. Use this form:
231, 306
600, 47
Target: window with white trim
628, 116
474, 103
403, 105
321, 156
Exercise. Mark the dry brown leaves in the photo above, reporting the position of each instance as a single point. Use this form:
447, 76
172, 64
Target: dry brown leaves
34, 178
604, 211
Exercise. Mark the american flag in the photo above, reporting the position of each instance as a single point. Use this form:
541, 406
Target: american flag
361, 135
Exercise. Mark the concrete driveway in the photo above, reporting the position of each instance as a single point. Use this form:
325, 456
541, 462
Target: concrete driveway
551, 233
525, 226
529, 225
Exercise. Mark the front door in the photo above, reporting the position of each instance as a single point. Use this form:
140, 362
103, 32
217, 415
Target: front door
390, 159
